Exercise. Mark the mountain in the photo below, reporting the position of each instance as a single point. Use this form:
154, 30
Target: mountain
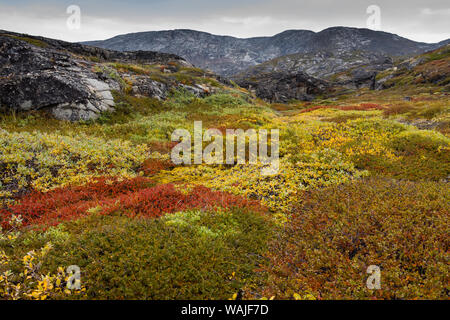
228, 56
285, 87
304, 76
444, 43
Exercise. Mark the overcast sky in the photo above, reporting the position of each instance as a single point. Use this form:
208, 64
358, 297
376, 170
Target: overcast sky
427, 21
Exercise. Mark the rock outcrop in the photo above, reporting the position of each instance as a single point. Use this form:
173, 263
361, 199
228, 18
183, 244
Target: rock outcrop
61, 78
432, 67
344, 71
37, 78
282, 87
351, 70
362, 76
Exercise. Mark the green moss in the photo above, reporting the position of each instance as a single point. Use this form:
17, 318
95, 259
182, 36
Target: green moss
412, 142
430, 112
424, 156
136, 69
94, 59
129, 107
345, 118
186, 256
383, 74
184, 79
223, 100
438, 54
194, 72
32, 41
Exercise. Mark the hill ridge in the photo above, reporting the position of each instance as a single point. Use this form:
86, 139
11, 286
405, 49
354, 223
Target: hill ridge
228, 55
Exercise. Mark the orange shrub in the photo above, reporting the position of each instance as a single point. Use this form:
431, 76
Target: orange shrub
153, 166
335, 234
133, 198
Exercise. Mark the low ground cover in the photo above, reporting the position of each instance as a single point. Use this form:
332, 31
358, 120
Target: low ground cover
363, 180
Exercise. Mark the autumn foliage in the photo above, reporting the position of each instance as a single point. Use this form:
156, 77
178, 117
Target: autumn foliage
133, 198
361, 107
153, 166
335, 233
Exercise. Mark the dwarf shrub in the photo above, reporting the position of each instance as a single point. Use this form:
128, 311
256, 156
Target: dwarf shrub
194, 255
336, 233
41, 161
134, 198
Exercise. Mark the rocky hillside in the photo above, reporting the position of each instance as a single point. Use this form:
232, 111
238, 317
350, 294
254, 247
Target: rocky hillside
303, 76
285, 87
358, 68
429, 68
228, 55
320, 64
76, 82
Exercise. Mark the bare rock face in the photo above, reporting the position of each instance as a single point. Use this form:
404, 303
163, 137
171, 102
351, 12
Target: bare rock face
285, 87
363, 76
34, 78
144, 86
351, 70
62, 78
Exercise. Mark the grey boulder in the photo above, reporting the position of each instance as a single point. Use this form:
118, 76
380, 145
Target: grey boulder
34, 78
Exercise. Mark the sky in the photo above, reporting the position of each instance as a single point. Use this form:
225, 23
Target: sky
426, 21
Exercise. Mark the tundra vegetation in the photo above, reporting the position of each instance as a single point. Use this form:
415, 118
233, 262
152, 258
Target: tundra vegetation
363, 181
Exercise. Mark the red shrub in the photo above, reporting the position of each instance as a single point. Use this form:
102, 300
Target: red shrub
162, 147
39, 204
133, 198
313, 109
153, 166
